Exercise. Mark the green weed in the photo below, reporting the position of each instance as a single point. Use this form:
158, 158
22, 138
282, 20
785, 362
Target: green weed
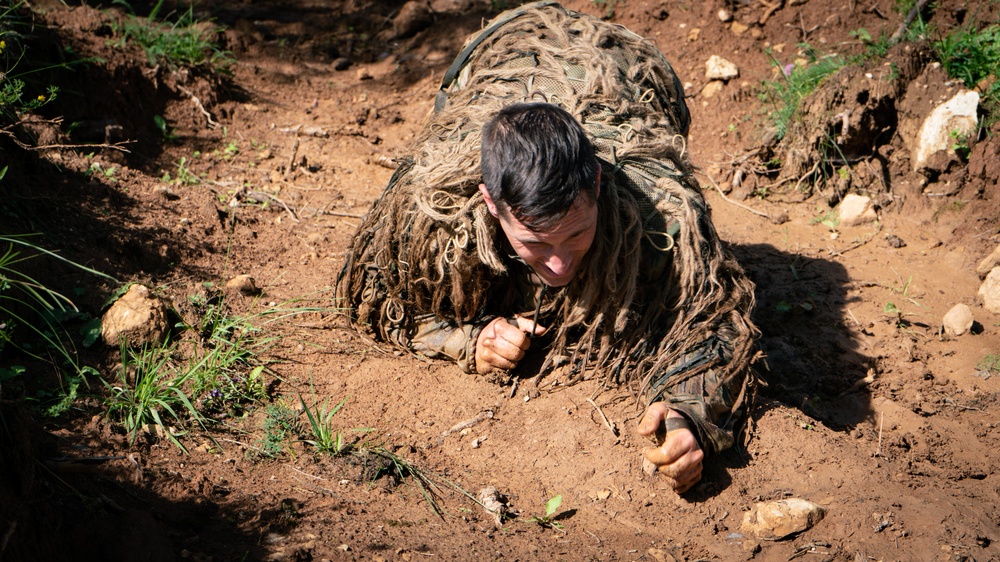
27, 305
794, 83
325, 439
280, 424
973, 56
548, 520
990, 363
150, 392
830, 219
183, 43
182, 175
226, 371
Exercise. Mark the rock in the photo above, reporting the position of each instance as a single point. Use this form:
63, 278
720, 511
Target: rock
988, 263
138, 318
955, 117
364, 74
738, 28
958, 320
244, 284
341, 63
781, 518
711, 89
412, 17
990, 291
660, 555
450, 6
856, 210
718, 68
895, 241
725, 16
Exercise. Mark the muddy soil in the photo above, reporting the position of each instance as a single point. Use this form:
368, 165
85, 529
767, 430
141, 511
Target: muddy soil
869, 410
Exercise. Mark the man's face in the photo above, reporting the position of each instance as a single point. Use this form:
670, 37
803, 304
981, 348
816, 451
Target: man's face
556, 254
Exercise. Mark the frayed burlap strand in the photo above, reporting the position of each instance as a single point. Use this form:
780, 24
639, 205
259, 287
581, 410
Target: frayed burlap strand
430, 246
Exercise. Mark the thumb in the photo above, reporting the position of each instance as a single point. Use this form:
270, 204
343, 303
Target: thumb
652, 419
526, 326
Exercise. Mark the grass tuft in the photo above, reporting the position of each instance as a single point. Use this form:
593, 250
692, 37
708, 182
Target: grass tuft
794, 83
186, 42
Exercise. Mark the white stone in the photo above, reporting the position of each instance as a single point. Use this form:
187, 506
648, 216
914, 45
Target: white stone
725, 16
244, 284
988, 263
855, 210
711, 89
780, 518
718, 68
138, 318
990, 291
956, 116
958, 321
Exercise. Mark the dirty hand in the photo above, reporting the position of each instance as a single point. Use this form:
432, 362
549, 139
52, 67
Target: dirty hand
677, 456
501, 344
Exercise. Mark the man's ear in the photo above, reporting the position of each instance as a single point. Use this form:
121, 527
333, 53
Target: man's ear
489, 200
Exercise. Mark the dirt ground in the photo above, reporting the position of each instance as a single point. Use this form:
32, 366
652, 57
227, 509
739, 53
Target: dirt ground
874, 415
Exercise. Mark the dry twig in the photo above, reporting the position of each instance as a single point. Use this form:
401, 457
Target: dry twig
728, 200
771, 9
611, 427
212, 123
907, 21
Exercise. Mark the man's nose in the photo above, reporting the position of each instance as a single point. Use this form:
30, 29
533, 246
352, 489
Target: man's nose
559, 261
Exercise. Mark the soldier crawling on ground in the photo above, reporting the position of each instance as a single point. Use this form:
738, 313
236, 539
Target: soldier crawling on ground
550, 207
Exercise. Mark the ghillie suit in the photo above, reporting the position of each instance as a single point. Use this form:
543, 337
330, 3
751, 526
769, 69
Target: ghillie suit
658, 304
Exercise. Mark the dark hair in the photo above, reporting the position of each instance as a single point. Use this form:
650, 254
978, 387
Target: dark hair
536, 160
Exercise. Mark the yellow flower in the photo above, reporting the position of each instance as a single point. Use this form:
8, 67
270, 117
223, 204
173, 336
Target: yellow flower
41, 97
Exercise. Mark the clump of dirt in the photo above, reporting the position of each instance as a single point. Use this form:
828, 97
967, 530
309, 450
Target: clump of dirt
835, 142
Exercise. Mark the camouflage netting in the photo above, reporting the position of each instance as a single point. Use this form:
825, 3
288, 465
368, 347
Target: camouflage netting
429, 244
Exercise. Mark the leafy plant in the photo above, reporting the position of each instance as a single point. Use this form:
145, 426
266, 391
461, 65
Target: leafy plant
990, 362
28, 305
794, 83
973, 56
280, 423
548, 520
185, 42
324, 438
149, 391
183, 174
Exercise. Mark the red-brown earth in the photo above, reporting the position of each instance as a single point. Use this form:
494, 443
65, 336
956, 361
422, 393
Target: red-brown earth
874, 415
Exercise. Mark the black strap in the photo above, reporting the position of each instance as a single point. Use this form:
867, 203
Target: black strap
463, 57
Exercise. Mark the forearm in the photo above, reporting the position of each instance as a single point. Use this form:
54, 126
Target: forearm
707, 388
442, 339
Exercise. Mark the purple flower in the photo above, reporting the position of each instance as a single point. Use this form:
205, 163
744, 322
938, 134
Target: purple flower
787, 69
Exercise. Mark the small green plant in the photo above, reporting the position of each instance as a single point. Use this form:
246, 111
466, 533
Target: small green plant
185, 42
149, 392
183, 174
548, 520
280, 424
830, 219
960, 144
226, 371
794, 83
973, 55
164, 128
990, 363
33, 317
325, 439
